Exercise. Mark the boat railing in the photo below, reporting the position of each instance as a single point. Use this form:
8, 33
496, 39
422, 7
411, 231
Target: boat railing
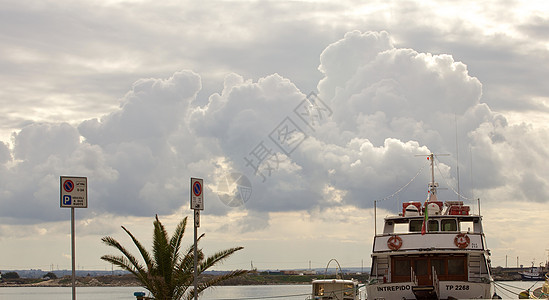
413, 276
435, 281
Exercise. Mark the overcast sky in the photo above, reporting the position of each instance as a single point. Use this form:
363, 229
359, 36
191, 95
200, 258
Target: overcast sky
318, 108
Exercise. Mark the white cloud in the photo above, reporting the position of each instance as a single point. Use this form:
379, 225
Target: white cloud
37, 142
388, 104
398, 87
5, 154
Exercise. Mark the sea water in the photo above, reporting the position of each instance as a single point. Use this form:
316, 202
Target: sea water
505, 289
95, 293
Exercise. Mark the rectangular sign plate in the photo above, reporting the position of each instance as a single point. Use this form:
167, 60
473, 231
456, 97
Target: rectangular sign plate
74, 192
197, 193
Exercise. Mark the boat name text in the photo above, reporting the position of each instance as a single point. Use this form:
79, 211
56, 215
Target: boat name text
393, 288
458, 287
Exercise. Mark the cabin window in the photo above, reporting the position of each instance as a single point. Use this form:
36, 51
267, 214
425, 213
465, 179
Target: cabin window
449, 225
415, 225
319, 289
402, 267
432, 225
349, 289
456, 266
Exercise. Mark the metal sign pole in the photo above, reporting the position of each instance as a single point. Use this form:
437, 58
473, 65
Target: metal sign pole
74, 194
73, 254
195, 257
197, 204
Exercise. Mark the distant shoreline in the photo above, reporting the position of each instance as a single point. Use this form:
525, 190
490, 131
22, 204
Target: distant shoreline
129, 280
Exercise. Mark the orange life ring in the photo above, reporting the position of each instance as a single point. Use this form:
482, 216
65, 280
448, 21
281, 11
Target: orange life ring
462, 240
394, 242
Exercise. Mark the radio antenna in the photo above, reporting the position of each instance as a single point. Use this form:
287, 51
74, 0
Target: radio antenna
457, 157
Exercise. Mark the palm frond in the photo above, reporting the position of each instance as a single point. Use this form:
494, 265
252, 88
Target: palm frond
162, 251
217, 257
214, 281
185, 270
177, 237
122, 262
144, 253
130, 258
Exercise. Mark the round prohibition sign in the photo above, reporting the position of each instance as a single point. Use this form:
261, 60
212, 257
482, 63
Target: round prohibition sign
197, 188
68, 186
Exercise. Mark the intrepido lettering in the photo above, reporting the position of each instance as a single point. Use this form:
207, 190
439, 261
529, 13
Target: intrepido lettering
393, 288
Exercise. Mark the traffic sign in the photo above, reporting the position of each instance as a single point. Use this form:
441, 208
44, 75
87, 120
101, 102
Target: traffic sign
74, 191
197, 193
196, 218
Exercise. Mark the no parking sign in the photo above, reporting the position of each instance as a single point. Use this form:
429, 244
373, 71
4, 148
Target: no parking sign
74, 192
197, 193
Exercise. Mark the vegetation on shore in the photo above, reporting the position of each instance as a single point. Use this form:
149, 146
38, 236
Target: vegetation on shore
264, 278
268, 279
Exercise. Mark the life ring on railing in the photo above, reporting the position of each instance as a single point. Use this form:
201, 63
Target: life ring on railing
462, 240
394, 242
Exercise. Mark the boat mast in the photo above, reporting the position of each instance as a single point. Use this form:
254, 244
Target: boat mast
433, 185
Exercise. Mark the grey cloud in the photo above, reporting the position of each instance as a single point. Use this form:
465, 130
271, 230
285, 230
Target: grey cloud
126, 156
537, 27
246, 112
408, 95
152, 110
388, 104
254, 221
5, 154
37, 142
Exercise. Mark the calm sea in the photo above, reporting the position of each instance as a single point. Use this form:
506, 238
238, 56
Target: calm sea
506, 289
95, 293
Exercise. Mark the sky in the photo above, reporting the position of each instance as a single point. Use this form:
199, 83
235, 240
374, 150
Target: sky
298, 115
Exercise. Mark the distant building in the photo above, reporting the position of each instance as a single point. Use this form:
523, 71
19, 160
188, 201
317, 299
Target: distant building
298, 272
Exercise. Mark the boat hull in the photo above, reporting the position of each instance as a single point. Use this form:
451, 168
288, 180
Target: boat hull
532, 277
446, 289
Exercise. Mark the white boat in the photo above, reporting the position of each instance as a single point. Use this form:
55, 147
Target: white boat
535, 273
342, 289
432, 251
337, 288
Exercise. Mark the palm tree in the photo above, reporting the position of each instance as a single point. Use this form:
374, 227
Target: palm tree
167, 274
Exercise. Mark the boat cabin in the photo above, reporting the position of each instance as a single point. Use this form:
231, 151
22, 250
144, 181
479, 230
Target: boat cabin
400, 225
455, 218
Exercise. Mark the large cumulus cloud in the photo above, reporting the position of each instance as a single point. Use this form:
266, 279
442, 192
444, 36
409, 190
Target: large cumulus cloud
126, 155
382, 106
